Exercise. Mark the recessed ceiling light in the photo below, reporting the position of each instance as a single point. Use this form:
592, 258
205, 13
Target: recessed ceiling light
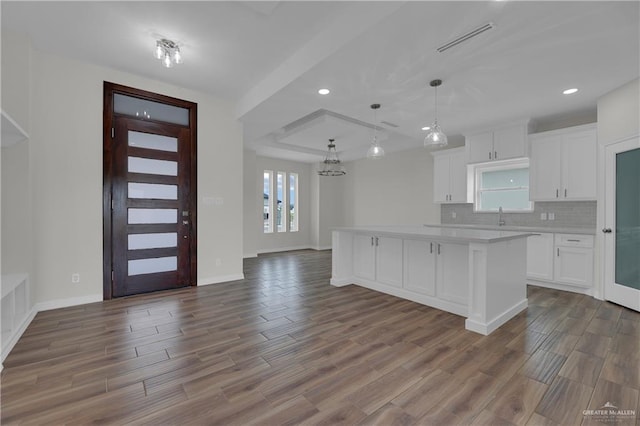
426, 128
570, 91
324, 91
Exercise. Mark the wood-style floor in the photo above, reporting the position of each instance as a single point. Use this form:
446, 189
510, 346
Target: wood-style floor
285, 347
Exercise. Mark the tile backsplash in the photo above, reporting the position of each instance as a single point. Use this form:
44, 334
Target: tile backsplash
568, 214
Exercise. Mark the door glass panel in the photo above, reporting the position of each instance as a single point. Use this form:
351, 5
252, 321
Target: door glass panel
150, 110
150, 141
152, 265
153, 190
627, 252
150, 241
153, 167
139, 216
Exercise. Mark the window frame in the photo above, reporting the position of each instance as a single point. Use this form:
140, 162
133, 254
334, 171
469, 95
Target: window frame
294, 226
269, 221
513, 164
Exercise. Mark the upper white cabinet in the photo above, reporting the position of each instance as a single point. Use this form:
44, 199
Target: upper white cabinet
563, 164
500, 143
450, 176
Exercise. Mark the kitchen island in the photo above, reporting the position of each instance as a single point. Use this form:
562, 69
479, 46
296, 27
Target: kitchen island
478, 274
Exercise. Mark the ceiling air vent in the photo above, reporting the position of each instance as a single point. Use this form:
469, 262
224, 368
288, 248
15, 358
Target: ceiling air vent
465, 37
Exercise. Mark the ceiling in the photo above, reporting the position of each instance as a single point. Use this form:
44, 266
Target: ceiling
269, 58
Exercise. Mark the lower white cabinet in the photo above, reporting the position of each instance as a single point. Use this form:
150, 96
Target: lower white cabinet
540, 257
420, 266
378, 259
565, 259
574, 260
436, 269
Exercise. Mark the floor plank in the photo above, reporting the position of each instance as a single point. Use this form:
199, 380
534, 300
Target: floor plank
283, 347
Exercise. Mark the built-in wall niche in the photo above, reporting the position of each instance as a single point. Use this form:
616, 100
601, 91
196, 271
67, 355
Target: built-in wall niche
16, 308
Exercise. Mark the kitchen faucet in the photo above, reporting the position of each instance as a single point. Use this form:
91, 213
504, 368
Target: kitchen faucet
501, 221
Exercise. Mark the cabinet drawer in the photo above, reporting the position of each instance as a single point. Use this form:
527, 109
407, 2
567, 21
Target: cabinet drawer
574, 240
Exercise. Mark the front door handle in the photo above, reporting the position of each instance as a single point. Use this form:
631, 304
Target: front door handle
607, 230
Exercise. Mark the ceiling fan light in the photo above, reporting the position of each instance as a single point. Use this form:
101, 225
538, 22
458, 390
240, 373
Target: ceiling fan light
177, 57
159, 52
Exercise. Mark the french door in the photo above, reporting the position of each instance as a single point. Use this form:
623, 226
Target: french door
149, 196
622, 218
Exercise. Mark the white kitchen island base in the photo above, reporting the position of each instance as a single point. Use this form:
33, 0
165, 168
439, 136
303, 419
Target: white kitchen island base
473, 273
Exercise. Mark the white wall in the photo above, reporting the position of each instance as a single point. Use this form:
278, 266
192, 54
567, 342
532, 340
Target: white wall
395, 190
252, 210
618, 118
333, 206
66, 172
16, 73
279, 241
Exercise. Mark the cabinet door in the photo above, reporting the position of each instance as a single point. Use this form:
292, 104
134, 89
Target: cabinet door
540, 257
458, 178
364, 256
509, 142
545, 168
441, 179
574, 265
452, 277
420, 267
389, 261
480, 147
579, 166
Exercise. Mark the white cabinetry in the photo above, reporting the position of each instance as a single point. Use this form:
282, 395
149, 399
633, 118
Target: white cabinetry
420, 267
563, 260
378, 259
563, 164
450, 176
574, 260
540, 256
497, 144
436, 269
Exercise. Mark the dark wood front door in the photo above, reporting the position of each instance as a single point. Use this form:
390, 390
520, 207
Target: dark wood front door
149, 225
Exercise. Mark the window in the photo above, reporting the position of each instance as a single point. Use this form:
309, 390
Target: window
504, 185
280, 212
293, 202
267, 217
281, 203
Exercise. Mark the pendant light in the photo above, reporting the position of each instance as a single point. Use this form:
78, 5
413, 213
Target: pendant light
375, 150
331, 166
436, 137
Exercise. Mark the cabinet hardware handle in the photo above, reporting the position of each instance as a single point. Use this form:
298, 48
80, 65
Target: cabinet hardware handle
431, 248
372, 241
376, 241
565, 193
438, 248
536, 235
556, 193
574, 241
606, 230
558, 252
495, 155
489, 155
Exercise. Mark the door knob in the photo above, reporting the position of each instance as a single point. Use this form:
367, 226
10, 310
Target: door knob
607, 230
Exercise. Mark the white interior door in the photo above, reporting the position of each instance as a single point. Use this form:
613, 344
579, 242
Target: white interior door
622, 219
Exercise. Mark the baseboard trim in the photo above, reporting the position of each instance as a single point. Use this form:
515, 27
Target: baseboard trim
279, 249
498, 321
68, 302
250, 255
322, 248
220, 279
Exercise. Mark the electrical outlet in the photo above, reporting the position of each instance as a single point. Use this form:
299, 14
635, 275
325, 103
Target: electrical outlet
75, 278
454, 215
218, 262
552, 216
543, 216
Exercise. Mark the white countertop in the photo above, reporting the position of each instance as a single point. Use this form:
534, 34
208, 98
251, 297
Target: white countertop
440, 233
536, 229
